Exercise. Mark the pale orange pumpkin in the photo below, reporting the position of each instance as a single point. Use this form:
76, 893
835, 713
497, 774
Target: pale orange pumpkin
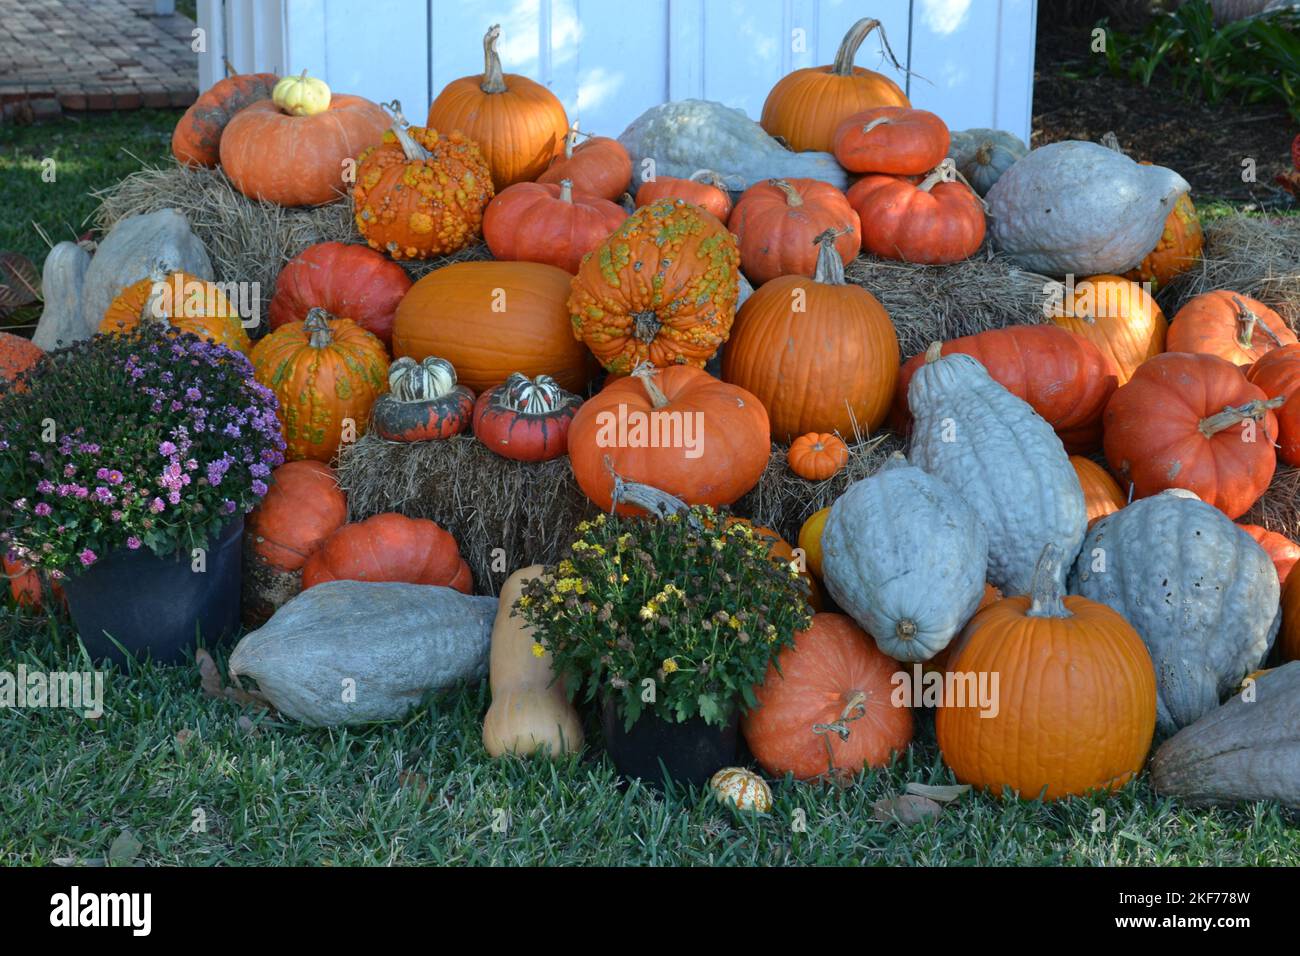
1119, 317
1102, 495
183, 302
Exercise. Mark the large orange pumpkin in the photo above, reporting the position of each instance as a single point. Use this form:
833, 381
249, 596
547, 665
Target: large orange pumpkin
196, 139
1288, 639
518, 123
807, 106
1075, 702
269, 154
598, 167
1178, 250
1194, 422
1063, 376
1282, 551
824, 708
17, 355
935, 221
1117, 316
548, 223
326, 373
183, 302
662, 289
389, 547
828, 367
777, 225
1230, 325
1278, 374
490, 319
1101, 494
678, 429
419, 194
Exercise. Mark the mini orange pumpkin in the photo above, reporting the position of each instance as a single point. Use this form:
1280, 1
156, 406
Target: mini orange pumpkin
817, 456
183, 302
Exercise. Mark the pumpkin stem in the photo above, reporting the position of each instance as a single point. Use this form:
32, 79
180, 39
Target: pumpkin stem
571, 140
658, 503
830, 267
1111, 141
710, 176
318, 328
843, 65
945, 172
984, 155
878, 121
896, 460
646, 373
1046, 592
645, 326
1236, 414
792, 197
1248, 321
413, 151
855, 708
494, 79
566, 190
933, 353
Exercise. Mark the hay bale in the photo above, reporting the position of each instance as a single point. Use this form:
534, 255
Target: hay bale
1279, 508
1254, 255
937, 303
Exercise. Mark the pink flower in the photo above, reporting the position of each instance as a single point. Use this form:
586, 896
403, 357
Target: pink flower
133, 543
87, 557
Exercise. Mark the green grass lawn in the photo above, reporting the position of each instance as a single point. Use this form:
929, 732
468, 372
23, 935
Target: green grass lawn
426, 792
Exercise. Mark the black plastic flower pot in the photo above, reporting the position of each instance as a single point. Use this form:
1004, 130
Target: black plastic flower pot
158, 607
656, 750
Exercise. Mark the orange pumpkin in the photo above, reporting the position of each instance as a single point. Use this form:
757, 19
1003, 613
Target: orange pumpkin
662, 289
1101, 494
197, 137
892, 140
941, 661
326, 373
1282, 551
678, 429
810, 540
490, 319
1178, 250
1075, 702
807, 106
269, 154
548, 223
183, 302
935, 221
17, 355
598, 167
518, 123
1278, 374
1230, 325
1117, 316
419, 194
704, 187
1288, 639
389, 547
777, 225
817, 456
830, 367
824, 708
27, 585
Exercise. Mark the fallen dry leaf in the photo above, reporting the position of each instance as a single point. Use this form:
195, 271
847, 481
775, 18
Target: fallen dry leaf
124, 849
942, 794
210, 681
908, 809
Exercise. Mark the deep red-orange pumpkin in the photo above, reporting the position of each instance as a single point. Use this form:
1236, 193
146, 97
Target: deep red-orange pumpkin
892, 140
1230, 325
26, 586
1192, 421
935, 221
711, 441
548, 223
834, 675
526, 419
599, 166
1283, 552
777, 224
389, 547
196, 140
1063, 376
704, 188
423, 402
1278, 374
348, 281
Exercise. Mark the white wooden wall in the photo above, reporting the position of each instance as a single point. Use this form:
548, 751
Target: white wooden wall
971, 61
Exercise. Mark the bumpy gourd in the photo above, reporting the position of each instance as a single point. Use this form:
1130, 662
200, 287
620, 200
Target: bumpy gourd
983, 155
906, 557
689, 135
1003, 458
1199, 590
1076, 207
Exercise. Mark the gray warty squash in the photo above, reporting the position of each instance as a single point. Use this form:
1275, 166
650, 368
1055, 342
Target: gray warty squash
1003, 458
1201, 593
905, 556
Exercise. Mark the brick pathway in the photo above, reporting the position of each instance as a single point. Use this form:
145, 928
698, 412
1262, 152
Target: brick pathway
95, 55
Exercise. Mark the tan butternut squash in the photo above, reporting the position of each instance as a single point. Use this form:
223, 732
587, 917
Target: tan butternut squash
528, 713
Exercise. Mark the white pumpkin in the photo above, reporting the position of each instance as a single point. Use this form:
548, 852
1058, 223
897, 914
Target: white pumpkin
62, 278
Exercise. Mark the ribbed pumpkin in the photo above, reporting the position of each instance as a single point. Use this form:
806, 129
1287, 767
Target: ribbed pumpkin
1230, 325
1278, 374
346, 280
662, 289
419, 194
324, 371
1288, 638
892, 140
1192, 421
1076, 697
935, 221
703, 187
829, 367
526, 419
1118, 317
538, 222
269, 154
1101, 494
423, 402
183, 302
599, 166
778, 223
303, 507
1178, 250
692, 436
389, 547
1282, 551
817, 456
196, 139
17, 355
518, 123
824, 708
807, 106
1063, 376
490, 319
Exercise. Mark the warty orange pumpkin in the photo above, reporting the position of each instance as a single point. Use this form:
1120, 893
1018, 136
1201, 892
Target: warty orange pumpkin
777, 223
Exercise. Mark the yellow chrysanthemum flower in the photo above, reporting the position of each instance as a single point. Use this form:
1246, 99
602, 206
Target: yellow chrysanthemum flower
670, 665
538, 650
